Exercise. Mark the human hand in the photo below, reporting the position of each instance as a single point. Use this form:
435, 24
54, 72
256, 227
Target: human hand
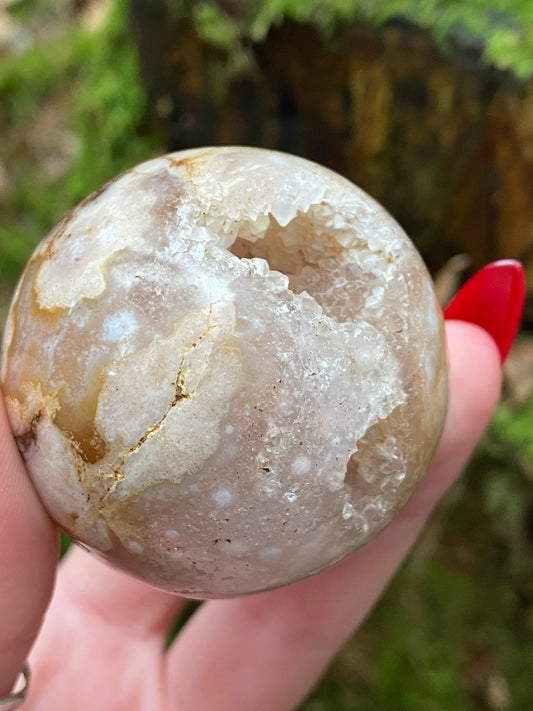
102, 642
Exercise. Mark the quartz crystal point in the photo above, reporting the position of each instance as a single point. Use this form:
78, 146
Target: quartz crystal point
225, 370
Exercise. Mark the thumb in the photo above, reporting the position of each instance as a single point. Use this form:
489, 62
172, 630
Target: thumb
28, 557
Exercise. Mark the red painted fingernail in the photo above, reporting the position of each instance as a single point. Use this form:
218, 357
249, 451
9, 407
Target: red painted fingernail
493, 299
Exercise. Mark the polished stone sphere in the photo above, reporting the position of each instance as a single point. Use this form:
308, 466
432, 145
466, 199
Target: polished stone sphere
225, 370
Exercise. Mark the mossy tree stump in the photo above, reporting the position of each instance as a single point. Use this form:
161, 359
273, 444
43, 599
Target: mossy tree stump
442, 140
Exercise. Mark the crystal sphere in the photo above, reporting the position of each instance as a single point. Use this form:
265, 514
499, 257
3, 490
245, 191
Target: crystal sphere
225, 370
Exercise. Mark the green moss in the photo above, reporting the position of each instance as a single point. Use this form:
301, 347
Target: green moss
511, 431
65, 544
441, 633
501, 30
107, 108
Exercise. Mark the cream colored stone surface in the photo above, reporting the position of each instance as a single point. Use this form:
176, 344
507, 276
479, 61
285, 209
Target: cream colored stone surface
225, 370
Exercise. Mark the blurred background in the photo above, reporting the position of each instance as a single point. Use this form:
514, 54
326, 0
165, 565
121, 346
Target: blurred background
427, 105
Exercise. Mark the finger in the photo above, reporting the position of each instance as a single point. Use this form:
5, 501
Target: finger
264, 652
28, 558
100, 592
119, 625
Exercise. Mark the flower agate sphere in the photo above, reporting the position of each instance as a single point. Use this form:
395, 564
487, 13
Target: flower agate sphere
225, 370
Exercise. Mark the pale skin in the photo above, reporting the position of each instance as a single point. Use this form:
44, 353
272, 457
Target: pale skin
101, 643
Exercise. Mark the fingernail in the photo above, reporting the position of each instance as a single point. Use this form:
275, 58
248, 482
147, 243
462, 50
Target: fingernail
493, 299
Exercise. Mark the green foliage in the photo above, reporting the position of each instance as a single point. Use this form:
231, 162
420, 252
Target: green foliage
107, 108
27, 80
505, 459
65, 544
418, 668
94, 73
215, 26
512, 435
502, 30
32, 12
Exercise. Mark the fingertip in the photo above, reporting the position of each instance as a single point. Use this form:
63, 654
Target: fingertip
493, 298
29, 547
475, 375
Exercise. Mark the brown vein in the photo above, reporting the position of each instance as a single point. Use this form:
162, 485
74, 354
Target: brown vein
180, 393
